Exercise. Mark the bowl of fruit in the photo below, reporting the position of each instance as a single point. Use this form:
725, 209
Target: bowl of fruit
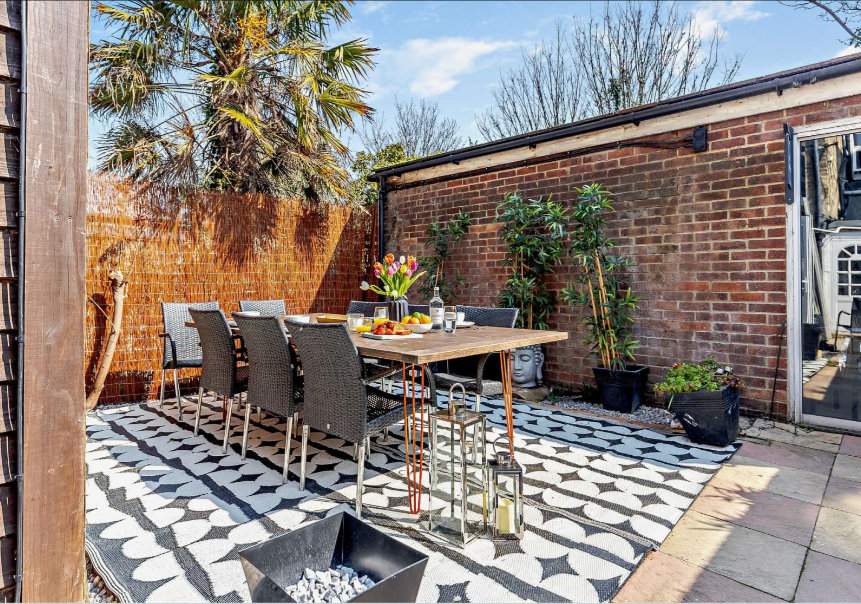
417, 322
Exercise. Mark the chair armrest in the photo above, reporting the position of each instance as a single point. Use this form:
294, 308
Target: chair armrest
839, 324
482, 361
164, 335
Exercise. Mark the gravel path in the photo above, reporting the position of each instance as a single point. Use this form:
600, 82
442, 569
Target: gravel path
649, 415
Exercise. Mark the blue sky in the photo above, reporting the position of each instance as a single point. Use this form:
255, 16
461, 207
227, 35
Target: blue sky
452, 52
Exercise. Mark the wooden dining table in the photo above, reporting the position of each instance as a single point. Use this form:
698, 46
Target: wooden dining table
433, 347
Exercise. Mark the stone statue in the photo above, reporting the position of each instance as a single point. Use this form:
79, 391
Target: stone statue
526, 366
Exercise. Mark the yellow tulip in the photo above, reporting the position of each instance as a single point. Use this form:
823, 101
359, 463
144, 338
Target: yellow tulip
403, 268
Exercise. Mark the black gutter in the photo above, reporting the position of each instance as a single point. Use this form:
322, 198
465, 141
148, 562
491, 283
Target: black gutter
774, 83
19, 403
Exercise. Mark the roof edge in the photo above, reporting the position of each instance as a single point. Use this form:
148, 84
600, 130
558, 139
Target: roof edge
776, 82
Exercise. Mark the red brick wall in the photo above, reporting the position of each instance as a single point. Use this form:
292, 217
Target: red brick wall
707, 229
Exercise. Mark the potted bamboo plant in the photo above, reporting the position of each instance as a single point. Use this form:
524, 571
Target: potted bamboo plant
705, 399
607, 301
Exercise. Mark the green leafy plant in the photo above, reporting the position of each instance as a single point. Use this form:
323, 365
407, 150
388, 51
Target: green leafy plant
601, 290
533, 231
690, 377
440, 238
243, 96
365, 191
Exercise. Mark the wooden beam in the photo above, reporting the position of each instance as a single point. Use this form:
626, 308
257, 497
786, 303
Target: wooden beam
53, 505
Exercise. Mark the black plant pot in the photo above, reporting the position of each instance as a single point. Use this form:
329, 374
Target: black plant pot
398, 309
621, 389
341, 538
708, 417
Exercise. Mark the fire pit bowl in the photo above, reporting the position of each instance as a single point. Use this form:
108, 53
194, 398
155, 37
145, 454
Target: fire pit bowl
340, 539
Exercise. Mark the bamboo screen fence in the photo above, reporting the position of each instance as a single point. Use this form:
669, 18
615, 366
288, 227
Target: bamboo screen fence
203, 246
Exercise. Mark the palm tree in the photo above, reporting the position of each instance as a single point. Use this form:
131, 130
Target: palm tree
228, 95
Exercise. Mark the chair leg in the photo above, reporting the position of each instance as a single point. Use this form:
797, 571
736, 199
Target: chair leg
227, 425
199, 405
296, 425
355, 451
368, 447
287, 449
259, 414
359, 480
304, 457
178, 393
245, 430
161, 395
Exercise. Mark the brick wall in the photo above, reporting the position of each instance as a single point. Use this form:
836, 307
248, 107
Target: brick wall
707, 229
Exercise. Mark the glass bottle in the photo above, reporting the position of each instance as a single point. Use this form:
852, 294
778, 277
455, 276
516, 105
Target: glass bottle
436, 310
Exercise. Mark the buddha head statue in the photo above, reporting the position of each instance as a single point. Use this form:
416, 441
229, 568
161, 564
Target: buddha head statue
526, 366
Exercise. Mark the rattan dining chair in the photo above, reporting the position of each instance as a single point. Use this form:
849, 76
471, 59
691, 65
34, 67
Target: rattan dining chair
338, 398
273, 381
222, 373
266, 308
181, 343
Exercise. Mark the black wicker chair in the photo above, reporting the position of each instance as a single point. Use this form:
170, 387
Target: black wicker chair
273, 382
221, 373
266, 308
366, 308
338, 398
471, 371
181, 343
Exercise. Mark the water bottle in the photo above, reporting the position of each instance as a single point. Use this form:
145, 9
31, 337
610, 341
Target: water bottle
436, 310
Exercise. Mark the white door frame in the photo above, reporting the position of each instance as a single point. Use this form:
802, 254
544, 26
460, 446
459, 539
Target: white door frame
793, 267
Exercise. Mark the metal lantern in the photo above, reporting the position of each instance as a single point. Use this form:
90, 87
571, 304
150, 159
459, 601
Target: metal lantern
505, 484
457, 478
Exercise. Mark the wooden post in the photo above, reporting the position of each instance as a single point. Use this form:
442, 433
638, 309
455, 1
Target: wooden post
53, 506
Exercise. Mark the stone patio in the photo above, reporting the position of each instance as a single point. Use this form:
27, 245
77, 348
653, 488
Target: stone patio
781, 521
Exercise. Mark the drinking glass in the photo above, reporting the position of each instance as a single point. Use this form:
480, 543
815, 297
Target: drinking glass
449, 319
354, 320
381, 315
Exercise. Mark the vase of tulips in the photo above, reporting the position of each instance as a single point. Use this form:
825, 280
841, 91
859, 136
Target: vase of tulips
396, 277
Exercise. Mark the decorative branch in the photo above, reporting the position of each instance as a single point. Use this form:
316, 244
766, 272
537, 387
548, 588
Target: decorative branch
118, 287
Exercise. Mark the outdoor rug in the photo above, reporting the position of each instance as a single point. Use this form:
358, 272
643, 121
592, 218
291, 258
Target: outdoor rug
168, 512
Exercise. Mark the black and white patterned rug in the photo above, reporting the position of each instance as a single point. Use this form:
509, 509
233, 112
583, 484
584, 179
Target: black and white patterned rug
168, 512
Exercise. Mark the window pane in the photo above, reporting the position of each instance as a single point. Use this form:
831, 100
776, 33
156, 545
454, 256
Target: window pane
842, 291
856, 291
842, 265
856, 278
844, 278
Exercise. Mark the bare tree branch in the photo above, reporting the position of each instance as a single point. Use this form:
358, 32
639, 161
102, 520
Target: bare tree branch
841, 12
418, 127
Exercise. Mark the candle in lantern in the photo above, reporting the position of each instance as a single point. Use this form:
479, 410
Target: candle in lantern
505, 516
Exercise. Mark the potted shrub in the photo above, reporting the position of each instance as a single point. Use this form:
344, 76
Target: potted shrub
533, 231
704, 398
607, 301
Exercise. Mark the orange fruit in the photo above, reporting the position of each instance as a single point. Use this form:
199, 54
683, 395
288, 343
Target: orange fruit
425, 320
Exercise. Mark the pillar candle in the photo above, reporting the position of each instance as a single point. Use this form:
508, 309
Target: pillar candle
505, 520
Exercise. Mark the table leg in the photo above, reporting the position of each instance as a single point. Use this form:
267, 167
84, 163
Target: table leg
507, 395
414, 450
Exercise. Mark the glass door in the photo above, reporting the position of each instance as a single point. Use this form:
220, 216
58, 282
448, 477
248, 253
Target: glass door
829, 238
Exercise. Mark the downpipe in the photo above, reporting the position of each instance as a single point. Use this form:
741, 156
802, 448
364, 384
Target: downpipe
19, 404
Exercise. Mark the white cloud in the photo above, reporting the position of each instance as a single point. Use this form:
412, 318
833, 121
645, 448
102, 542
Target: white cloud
371, 6
433, 67
711, 16
849, 50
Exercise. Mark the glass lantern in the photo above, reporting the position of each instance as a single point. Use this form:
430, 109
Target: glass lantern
458, 496
505, 484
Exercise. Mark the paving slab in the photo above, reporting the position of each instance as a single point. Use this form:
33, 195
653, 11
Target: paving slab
838, 533
843, 495
792, 456
762, 511
851, 445
847, 467
787, 433
663, 578
752, 558
829, 579
782, 480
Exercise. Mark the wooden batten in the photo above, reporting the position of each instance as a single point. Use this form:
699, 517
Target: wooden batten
52, 504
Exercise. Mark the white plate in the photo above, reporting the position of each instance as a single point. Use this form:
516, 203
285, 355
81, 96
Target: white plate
372, 336
466, 324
